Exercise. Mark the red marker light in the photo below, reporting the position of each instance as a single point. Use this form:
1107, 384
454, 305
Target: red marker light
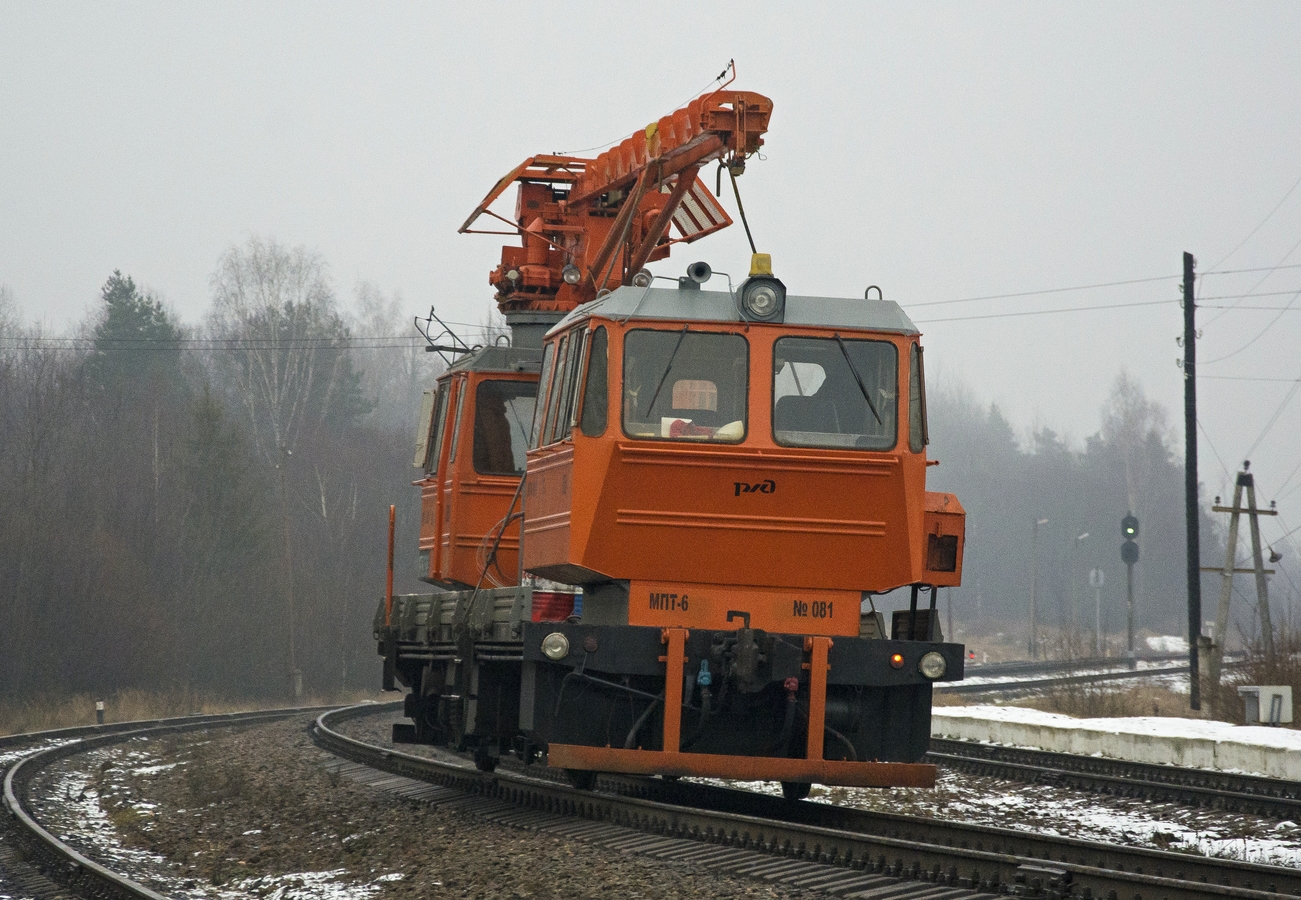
896, 661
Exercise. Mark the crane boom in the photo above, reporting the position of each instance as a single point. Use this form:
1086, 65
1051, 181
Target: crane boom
588, 225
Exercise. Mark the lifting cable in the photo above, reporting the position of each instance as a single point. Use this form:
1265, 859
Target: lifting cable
739, 208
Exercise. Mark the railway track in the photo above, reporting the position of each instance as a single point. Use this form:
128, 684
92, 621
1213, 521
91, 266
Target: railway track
836, 849
1231, 792
1023, 676
839, 850
36, 862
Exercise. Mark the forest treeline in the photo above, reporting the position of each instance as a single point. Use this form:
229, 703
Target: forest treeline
1132, 464
173, 496
202, 506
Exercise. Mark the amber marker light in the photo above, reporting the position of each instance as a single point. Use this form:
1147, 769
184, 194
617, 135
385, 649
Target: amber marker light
896, 661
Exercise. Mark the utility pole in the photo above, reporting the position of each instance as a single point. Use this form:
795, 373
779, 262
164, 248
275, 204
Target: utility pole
1034, 573
1245, 482
1192, 519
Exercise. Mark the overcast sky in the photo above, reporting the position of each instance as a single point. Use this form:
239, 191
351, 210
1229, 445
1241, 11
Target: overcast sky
943, 152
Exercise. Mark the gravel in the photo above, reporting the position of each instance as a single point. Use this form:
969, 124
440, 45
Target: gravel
253, 813
1039, 808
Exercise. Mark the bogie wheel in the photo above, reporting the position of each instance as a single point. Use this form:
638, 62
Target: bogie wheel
484, 761
796, 790
582, 779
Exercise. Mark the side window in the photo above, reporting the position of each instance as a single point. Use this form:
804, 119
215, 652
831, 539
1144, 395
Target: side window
539, 411
503, 411
685, 385
553, 398
456, 422
564, 420
422, 432
440, 423
917, 431
596, 398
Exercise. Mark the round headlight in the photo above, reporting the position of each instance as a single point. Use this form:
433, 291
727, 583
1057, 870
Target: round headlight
763, 299
761, 302
571, 274
555, 646
643, 278
932, 665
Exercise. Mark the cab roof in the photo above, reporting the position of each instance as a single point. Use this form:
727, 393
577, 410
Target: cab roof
678, 304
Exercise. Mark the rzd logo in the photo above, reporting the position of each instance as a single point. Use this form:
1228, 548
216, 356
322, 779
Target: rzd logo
767, 486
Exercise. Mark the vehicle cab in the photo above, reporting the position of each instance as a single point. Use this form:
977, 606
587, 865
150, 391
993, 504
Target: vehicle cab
690, 463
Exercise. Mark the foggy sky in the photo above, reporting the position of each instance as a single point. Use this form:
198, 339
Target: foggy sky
941, 152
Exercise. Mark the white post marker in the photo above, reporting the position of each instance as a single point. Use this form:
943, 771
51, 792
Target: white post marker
1097, 579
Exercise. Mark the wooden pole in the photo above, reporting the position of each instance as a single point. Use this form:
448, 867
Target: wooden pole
1191, 514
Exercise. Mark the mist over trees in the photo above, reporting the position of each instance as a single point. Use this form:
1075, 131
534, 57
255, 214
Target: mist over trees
202, 506
1133, 463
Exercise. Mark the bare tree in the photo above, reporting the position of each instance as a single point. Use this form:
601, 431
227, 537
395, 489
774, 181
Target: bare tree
395, 367
273, 309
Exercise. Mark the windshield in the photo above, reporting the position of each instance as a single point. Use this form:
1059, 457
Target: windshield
835, 392
685, 385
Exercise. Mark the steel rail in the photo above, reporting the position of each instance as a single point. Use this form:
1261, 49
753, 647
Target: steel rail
1232, 792
1030, 684
80, 872
977, 858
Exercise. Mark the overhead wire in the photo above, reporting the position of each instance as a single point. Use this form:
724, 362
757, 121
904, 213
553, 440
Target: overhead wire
1268, 272
1274, 418
1059, 290
1045, 312
1272, 322
1211, 444
1260, 225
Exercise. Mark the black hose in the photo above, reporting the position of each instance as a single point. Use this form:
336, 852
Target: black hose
631, 739
788, 727
853, 754
706, 714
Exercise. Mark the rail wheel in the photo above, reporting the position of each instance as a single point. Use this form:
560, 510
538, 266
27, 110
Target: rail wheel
796, 790
483, 760
582, 779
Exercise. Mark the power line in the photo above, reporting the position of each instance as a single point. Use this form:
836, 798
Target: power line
1274, 418
1245, 296
1243, 378
1257, 269
1060, 290
1262, 223
1211, 444
1264, 278
1045, 312
1259, 334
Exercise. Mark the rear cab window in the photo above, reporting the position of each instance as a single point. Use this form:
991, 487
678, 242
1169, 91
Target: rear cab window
503, 415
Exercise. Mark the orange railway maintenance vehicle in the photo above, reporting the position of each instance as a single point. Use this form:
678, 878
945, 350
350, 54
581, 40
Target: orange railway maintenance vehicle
658, 518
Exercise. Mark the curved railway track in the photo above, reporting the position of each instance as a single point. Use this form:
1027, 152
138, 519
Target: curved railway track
836, 849
1252, 794
839, 850
36, 861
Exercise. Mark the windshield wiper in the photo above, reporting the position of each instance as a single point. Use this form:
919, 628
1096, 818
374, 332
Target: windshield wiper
667, 368
858, 378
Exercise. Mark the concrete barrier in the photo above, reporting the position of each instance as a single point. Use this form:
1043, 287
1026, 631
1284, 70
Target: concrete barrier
1259, 750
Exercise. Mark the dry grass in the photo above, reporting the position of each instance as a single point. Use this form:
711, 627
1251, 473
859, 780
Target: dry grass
1111, 700
45, 712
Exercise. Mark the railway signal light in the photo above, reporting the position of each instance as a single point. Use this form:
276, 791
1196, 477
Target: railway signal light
1129, 531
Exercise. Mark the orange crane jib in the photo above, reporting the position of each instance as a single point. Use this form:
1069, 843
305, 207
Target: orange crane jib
588, 225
